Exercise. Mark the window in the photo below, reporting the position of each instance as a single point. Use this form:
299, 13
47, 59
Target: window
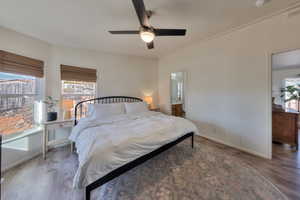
293, 104
18, 96
78, 84
74, 92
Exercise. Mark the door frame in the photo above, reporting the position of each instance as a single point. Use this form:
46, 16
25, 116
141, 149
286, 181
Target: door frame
269, 98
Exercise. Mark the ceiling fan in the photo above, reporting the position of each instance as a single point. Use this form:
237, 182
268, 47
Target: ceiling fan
146, 31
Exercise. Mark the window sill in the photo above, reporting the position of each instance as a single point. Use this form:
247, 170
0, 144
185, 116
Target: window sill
33, 131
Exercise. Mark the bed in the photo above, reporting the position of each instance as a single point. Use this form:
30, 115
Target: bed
110, 145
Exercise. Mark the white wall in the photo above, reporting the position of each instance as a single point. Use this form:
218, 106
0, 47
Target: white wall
117, 75
278, 77
229, 82
27, 46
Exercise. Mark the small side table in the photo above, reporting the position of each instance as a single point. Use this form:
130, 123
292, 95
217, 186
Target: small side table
54, 125
155, 109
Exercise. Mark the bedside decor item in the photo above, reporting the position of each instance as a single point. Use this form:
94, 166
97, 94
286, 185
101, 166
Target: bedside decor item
51, 103
149, 101
51, 116
68, 106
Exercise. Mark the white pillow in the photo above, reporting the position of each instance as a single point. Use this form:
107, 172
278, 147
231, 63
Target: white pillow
90, 109
98, 111
136, 107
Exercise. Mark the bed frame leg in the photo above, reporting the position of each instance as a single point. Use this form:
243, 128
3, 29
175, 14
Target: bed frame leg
193, 140
87, 194
72, 147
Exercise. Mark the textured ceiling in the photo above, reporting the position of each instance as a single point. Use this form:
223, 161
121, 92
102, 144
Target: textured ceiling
84, 23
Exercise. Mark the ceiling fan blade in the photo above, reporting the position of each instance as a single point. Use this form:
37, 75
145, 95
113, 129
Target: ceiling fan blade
141, 12
124, 32
150, 45
170, 32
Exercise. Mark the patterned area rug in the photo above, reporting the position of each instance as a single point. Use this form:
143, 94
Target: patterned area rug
183, 173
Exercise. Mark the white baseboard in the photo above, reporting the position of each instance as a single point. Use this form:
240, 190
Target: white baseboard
20, 161
235, 146
26, 158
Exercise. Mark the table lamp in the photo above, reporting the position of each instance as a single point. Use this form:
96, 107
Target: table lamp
68, 106
148, 100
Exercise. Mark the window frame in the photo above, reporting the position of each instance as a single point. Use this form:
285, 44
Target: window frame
38, 96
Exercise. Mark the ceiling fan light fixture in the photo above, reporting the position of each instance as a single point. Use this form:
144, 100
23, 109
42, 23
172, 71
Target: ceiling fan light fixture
146, 31
261, 3
147, 36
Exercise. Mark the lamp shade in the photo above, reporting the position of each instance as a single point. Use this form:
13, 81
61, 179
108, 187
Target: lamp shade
68, 105
148, 100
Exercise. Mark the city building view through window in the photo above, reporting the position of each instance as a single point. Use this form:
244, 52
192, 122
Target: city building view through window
18, 94
74, 92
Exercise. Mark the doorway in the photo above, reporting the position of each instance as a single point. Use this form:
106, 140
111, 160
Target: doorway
285, 102
177, 97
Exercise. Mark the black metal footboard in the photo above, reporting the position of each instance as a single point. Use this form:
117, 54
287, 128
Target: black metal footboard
121, 170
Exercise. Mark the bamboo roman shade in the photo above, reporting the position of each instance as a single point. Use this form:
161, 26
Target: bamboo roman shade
13, 63
72, 73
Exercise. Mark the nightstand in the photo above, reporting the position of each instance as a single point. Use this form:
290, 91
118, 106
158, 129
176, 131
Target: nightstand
52, 125
155, 109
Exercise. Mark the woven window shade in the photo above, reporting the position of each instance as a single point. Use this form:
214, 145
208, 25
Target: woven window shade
13, 63
72, 73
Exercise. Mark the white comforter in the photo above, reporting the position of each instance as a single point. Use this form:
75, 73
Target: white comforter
105, 145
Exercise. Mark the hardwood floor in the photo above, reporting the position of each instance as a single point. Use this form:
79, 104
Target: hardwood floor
50, 180
283, 170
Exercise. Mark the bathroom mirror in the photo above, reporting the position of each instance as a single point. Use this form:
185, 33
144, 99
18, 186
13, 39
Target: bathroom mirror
177, 93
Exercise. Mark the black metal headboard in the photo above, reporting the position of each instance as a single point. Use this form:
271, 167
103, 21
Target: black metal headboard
102, 100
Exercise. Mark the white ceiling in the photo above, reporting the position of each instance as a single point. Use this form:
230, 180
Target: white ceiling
286, 60
84, 23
